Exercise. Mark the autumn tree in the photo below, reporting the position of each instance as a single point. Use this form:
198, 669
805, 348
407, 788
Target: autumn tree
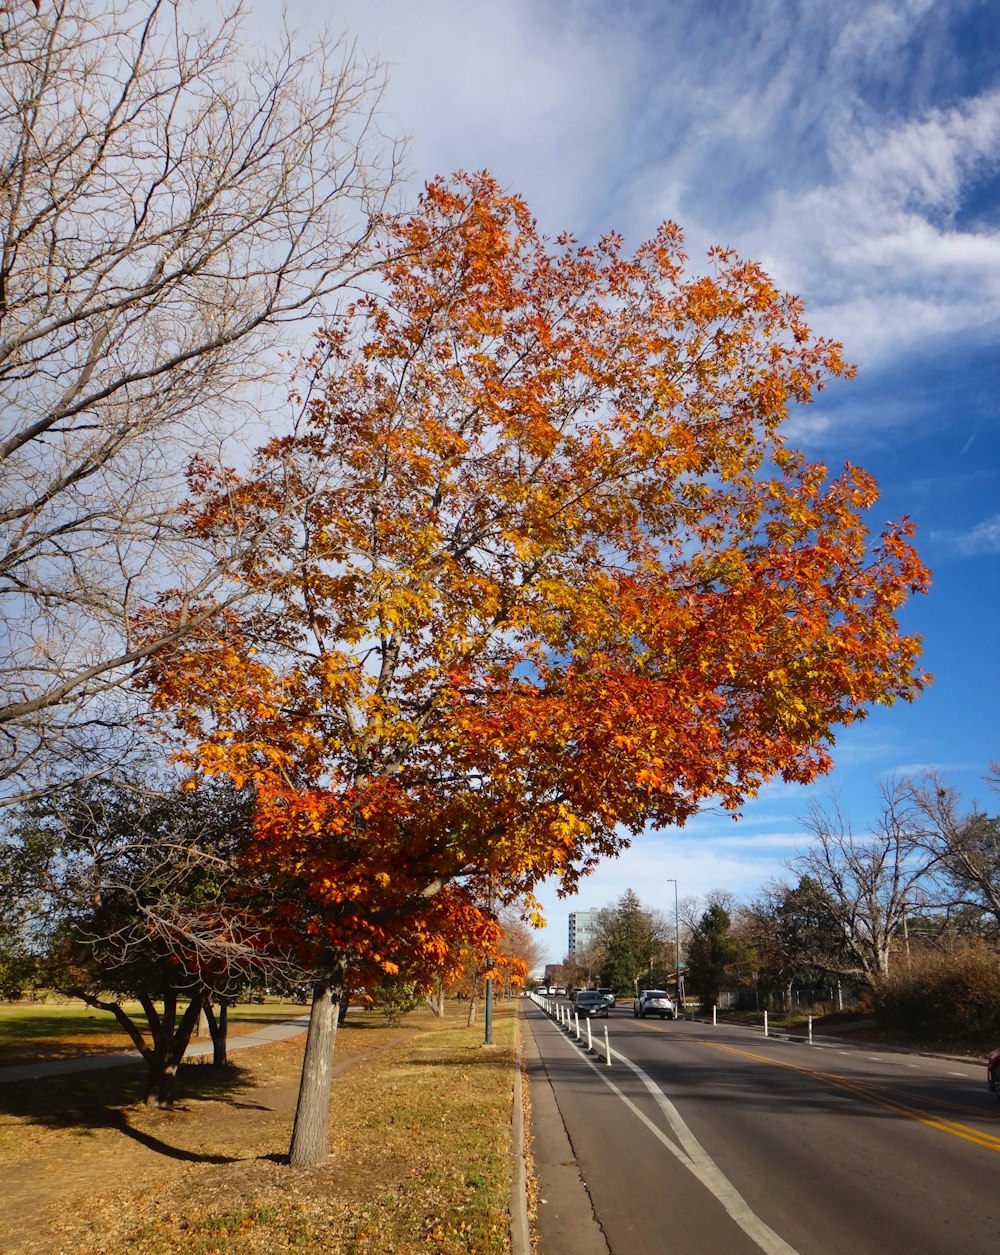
536, 570
169, 203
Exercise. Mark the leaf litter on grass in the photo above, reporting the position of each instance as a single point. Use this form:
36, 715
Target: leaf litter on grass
420, 1159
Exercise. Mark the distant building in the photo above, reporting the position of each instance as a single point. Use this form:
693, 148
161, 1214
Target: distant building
582, 931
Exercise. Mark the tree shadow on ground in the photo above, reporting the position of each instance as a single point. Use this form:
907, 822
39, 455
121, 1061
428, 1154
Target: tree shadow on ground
119, 1120
101, 1099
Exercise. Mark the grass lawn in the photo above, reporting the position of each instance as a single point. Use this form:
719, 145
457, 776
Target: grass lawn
66, 1028
420, 1139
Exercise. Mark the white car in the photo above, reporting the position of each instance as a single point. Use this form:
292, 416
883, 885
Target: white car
654, 1002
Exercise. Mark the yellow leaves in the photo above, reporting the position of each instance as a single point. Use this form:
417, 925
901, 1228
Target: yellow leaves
538, 592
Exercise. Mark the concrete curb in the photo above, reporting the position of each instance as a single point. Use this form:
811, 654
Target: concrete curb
566, 1220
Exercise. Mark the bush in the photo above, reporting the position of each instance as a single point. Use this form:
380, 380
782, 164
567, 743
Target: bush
939, 995
395, 998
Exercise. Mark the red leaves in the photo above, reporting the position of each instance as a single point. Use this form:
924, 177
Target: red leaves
548, 573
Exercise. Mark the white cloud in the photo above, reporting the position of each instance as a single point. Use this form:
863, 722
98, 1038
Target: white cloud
982, 538
879, 245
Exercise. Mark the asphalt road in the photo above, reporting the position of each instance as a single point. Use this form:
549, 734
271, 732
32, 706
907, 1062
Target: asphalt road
718, 1141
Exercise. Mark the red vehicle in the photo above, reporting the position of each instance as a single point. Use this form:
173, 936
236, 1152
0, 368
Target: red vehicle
993, 1072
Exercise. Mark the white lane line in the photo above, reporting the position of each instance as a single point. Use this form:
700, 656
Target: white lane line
694, 1157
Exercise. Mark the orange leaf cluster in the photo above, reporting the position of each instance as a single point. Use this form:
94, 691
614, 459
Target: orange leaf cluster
541, 572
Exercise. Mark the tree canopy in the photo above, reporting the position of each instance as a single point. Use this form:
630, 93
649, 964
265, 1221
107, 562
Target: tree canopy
536, 569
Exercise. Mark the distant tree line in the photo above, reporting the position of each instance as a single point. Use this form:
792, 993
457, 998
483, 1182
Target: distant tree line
904, 917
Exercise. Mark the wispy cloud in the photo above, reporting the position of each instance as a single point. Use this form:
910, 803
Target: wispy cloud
981, 538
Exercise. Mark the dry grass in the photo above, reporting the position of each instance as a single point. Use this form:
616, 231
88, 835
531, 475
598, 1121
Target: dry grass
66, 1029
420, 1162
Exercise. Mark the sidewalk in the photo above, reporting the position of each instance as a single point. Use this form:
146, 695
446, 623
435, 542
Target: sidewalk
87, 1063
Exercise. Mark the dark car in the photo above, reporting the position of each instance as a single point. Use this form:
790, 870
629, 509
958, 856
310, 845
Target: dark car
590, 1002
993, 1072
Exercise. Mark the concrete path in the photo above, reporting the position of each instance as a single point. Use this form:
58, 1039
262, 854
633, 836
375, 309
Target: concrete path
87, 1063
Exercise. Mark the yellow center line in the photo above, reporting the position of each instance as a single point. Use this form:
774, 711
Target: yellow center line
864, 1090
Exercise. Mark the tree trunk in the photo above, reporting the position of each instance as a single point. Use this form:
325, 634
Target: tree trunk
311, 1130
473, 1008
436, 1000
218, 1026
169, 1045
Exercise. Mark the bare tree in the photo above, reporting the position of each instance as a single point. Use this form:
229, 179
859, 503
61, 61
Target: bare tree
168, 203
966, 843
869, 882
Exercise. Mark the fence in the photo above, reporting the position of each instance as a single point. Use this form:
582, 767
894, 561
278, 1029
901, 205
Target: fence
829, 997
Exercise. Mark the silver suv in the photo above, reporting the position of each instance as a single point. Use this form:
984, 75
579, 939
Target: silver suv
654, 1002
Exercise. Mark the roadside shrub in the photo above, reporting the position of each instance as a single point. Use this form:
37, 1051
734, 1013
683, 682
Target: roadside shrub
396, 998
939, 995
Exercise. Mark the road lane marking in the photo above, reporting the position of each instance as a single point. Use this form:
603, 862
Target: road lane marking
693, 1156
861, 1089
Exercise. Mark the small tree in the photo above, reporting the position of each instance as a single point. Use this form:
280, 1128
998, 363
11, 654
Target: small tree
395, 997
710, 952
137, 894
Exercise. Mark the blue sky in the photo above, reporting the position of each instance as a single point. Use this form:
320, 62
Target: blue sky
854, 149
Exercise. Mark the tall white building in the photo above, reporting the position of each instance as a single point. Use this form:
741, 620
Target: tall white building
582, 926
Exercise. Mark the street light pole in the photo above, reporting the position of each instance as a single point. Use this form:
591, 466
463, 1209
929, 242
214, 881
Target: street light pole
677, 939
488, 1017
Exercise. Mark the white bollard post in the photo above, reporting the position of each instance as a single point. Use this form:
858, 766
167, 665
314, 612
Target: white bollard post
713, 1015
590, 1040
810, 1030
607, 1046
576, 1017
765, 1023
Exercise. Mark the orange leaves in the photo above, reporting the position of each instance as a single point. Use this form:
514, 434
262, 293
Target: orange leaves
546, 573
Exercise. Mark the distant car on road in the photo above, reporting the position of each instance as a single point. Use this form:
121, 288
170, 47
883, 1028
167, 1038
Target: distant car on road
609, 995
654, 1002
590, 1002
993, 1072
